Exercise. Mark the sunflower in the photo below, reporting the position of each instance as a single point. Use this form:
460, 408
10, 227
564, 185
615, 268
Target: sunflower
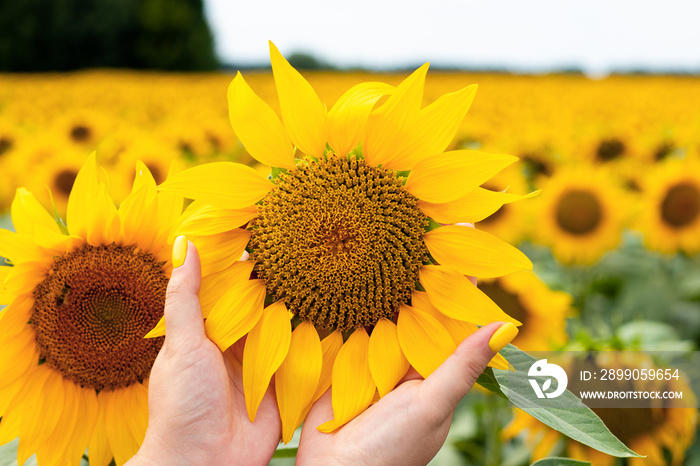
581, 214
82, 128
669, 425
671, 207
74, 364
340, 243
523, 296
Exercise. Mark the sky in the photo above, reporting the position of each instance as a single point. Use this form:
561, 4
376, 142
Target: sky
524, 35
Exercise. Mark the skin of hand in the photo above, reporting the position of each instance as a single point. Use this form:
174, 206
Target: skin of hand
408, 425
197, 412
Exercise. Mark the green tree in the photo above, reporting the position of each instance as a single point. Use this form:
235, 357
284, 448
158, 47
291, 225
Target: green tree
58, 35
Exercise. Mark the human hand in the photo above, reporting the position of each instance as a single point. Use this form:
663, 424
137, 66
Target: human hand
410, 424
197, 412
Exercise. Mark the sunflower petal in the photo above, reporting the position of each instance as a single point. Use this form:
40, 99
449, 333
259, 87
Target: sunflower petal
458, 329
387, 363
81, 199
9, 427
142, 177
297, 378
258, 127
121, 441
99, 451
474, 252
20, 248
222, 184
458, 298
353, 387
54, 449
266, 347
28, 215
238, 311
303, 113
347, 120
447, 176
14, 318
136, 398
499, 362
217, 252
424, 341
41, 411
212, 285
20, 279
136, 213
331, 346
104, 225
19, 355
391, 124
206, 220
437, 125
472, 208
88, 409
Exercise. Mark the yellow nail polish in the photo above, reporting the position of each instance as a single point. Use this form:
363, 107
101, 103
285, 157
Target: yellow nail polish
179, 251
504, 335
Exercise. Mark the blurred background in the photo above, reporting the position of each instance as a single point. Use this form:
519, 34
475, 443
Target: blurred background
600, 101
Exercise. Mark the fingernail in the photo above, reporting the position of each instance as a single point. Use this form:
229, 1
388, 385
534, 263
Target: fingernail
179, 251
504, 335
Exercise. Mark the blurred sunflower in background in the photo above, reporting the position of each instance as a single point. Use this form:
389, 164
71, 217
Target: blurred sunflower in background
581, 214
670, 216
74, 365
341, 241
662, 430
527, 299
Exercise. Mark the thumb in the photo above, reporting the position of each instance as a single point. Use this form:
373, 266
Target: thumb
183, 313
456, 376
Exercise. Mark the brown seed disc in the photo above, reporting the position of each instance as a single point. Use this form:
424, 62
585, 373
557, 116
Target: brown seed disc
91, 312
681, 205
80, 133
5, 144
610, 149
579, 212
63, 181
340, 242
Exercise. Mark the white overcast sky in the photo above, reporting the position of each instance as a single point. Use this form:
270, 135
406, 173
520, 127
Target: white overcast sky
596, 35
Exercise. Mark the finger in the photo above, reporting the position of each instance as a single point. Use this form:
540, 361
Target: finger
412, 374
456, 376
183, 313
320, 413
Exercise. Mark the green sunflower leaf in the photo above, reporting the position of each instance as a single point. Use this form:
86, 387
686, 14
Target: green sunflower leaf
285, 453
556, 461
567, 415
488, 380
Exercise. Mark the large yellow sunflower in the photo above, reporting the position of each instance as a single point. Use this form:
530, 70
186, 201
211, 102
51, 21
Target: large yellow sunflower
671, 208
74, 365
339, 241
581, 214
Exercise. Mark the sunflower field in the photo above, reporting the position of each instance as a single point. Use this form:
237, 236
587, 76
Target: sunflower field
604, 199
